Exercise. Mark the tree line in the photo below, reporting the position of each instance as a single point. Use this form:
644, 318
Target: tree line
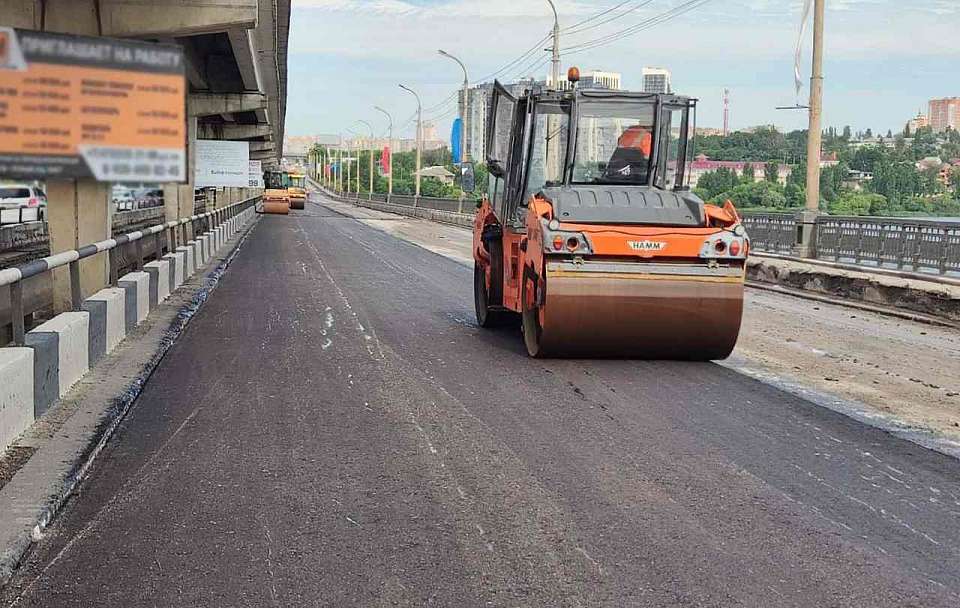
896, 187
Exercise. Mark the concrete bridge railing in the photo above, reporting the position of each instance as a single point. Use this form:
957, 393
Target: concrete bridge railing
44, 363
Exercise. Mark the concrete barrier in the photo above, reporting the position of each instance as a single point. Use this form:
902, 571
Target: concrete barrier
178, 262
159, 272
137, 300
16, 393
107, 325
198, 258
61, 357
189, 260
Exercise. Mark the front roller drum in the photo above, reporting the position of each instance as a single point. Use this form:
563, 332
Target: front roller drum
633, 316
297, 203
280, 207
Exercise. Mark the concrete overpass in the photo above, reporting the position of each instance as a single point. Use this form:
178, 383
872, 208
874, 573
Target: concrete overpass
236, 54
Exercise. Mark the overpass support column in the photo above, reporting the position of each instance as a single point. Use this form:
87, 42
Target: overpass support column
79, 213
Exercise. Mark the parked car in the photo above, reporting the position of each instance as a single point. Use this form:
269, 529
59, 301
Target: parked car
124, 199
31, 199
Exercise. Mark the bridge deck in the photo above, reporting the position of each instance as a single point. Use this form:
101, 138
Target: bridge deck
333, 429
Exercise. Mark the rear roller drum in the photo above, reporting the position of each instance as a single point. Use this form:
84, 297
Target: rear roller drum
486, 316
532, 320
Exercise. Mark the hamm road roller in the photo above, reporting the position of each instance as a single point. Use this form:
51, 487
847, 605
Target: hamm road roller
590, 234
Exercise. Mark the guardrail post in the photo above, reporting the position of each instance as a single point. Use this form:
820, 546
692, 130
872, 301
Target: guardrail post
139, 261
16, 311
114, 266
944, 248
76, 295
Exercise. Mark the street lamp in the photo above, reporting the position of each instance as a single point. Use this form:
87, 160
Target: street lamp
390, 147
464, 152
419, 135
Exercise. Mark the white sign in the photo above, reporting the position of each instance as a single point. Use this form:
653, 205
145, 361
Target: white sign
222, 163
256, 174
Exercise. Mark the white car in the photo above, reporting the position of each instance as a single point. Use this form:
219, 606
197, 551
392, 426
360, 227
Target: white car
22, 202
124, 200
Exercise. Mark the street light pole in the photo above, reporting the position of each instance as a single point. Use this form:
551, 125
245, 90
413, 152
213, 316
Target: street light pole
419, 136
464, 151
390, 146
370, 190
556, 46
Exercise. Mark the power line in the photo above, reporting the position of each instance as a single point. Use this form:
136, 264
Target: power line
663, 17
596, 16
609, 19
519, 59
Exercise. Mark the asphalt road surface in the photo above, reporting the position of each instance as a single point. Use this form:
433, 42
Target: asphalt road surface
333, 429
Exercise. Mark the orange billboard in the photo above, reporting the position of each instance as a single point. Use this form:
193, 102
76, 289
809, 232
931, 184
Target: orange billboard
76, 106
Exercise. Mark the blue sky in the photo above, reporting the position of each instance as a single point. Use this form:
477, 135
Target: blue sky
885, 58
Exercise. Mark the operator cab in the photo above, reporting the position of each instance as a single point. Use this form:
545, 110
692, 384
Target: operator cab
605, 157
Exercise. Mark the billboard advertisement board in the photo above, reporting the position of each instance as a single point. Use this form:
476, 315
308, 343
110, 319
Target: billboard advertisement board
222, 163
78, 106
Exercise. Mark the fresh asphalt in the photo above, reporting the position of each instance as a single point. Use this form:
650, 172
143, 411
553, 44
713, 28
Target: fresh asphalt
333, 429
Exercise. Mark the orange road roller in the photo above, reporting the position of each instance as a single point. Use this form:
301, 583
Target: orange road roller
276, 201
297, 190
590, 234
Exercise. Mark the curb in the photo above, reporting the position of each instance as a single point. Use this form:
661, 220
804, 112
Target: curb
114, 414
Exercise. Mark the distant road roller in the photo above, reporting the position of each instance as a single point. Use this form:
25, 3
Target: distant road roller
590, 234
276, 196
297, 190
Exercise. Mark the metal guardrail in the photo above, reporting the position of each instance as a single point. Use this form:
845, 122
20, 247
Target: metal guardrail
917, 245
21, 215
904, 244
170, 234
771, 232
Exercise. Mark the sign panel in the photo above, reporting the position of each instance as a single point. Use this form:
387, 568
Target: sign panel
456, 133
222, 163
78, 106
256, 174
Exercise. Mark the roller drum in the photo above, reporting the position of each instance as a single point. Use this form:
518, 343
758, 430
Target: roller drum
639, 311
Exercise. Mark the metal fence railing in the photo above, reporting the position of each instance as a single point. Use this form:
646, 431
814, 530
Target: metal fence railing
916, 245
771, 232
22, 215
895, 243
129, 250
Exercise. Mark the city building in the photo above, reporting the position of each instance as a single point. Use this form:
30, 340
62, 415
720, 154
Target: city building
945, 114
479, 96
478, 102
702, 164
918, 122
593, 79
656, 80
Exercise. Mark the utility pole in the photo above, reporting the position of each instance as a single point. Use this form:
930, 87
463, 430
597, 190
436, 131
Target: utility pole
816, 110
556, 47
806, 246
419, 136
390, 148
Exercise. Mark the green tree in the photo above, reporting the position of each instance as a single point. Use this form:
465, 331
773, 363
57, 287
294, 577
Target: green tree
749, 175
714, 182
771, 172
